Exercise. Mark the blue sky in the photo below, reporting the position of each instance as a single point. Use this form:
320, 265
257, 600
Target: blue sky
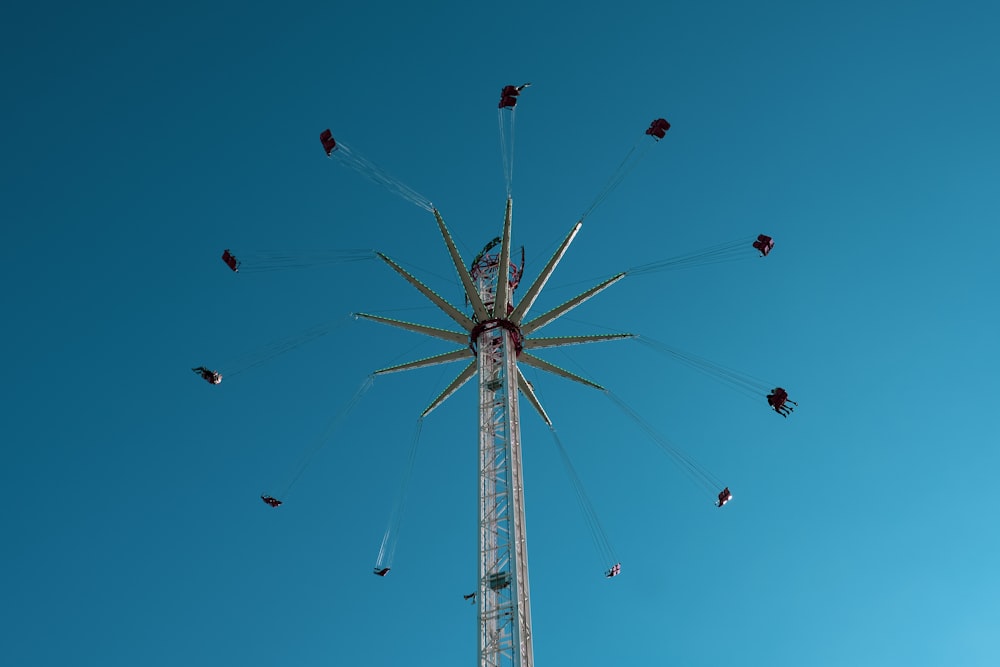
143, 140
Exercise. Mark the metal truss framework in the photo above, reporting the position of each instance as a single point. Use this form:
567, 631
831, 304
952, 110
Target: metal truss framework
497, 333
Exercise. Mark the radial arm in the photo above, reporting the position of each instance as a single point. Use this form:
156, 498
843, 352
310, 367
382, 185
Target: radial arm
450, 310
529, 392
560, 341
503, 272
455, 385
444, 334
445, 358
558, 311
529, 297
532, 360
463, 273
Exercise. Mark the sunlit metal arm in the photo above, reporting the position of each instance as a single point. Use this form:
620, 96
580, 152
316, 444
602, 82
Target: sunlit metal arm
463, 273
444, 334
521, 310
534, 361
529, 392
445, 358
450, 310
559, 341
503, 271
455, 385
558, 311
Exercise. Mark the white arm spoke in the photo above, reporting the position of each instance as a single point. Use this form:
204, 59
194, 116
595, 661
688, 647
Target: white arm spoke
445, 358
450, 310
532, 360
529, 392
455, 385
443, 334
463, 273
558, 311
560, 341
503, 272
529, 297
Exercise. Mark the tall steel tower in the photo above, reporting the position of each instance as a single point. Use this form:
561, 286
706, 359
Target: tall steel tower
498, 336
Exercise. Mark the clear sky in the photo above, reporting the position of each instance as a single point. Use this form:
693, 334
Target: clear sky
140, 141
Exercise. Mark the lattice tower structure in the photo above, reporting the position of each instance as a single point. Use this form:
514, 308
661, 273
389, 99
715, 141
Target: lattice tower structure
504, 600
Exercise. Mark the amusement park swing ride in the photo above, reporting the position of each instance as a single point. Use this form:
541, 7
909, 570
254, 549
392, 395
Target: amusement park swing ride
494, 339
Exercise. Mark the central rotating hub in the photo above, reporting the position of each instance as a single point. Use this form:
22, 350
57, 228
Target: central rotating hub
494, 323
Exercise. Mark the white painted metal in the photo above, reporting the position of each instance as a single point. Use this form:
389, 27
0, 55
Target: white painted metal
437, 359
562, 341
452, 312
504, 597
536, 287
463, 273
529, 393
559, 311
455, 385
444, 334
504, 601
532, 360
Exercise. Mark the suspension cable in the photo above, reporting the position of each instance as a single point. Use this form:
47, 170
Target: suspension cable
505, 120
324, 439
743, 383
605, 551
390, 540
628, 163
287, 260
730, 251
698, 473
359, 163
279, 347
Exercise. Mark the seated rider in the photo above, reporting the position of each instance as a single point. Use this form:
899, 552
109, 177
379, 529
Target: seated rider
329, 143
231, 261
658, 128
778, 399
208, 375
764, 244
784, 396
508, 96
